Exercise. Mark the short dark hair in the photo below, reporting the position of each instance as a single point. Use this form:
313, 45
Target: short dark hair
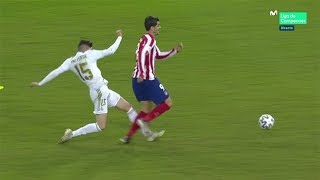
85, 42
150, 21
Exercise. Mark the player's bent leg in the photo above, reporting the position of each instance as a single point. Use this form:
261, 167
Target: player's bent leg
160, 96
134, 127
101, 121
158, 110
123, 105
145, 129
115, 100
146, 106
98, 99
132, 114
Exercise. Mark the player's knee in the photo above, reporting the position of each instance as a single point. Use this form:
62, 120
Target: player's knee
101, 121
101, 126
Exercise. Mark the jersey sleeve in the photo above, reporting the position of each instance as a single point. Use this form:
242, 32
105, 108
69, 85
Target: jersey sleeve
98, 54
164, 55
65, 66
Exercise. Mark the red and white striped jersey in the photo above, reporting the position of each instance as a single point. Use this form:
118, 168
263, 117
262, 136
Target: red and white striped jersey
146, 54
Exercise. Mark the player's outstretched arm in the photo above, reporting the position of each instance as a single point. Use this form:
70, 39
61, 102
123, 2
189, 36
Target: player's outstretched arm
165, 55
53, 74
113, 48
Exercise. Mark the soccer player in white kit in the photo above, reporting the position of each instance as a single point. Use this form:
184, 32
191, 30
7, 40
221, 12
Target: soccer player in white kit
84, 65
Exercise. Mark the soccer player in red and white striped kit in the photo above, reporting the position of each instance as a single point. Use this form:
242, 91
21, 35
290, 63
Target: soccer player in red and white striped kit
146, 86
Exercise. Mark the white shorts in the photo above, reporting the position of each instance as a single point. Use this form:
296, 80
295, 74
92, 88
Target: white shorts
103, 98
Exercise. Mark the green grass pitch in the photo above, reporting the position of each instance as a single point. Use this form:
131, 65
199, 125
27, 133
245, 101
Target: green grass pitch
236, 65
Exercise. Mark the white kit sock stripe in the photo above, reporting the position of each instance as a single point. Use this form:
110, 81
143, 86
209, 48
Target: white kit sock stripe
130, 110
97, 126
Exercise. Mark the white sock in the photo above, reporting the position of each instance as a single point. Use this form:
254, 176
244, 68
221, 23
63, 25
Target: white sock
132, 114
89, 128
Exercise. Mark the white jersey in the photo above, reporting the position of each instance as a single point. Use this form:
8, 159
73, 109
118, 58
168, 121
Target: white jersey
84, 65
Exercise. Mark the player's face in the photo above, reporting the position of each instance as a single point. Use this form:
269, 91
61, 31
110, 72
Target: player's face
156, 29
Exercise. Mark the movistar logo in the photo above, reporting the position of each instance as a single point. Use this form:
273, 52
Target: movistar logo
273, 13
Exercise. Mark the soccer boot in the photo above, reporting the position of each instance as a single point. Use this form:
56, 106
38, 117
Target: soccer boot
125, 140
156, 135
144, 128
66, 137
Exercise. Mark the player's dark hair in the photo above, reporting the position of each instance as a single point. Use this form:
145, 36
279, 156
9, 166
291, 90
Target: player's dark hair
85, 42
150, 21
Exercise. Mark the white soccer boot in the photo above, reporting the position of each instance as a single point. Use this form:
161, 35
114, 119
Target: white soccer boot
156, 135
66, 137
144, 128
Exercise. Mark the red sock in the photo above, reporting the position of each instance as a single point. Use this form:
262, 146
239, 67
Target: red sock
157, 111
135, 126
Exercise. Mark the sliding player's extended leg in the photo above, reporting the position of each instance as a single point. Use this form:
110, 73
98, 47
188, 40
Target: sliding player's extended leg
101, 121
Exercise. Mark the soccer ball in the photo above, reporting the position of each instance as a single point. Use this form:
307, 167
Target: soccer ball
266, 121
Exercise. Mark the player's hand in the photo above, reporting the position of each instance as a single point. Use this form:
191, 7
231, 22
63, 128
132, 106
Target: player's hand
179, 47
34, 84
119, 32
139, 80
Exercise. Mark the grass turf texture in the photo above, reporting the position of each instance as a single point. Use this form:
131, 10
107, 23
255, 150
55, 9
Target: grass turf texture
236, 65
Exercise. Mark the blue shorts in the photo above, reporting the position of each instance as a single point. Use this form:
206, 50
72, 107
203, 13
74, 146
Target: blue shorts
149, 90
